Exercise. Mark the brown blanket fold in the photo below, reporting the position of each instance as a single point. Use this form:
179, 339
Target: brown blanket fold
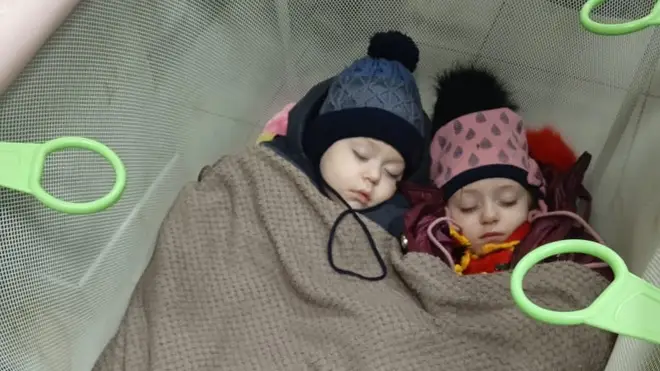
240, 280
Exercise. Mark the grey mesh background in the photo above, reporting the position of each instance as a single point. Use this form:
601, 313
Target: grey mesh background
172, 85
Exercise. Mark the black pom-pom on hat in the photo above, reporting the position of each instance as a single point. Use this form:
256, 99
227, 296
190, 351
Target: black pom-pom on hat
394, 46
467, 88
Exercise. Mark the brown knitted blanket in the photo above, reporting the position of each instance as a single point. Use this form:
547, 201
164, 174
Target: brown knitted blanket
240, 280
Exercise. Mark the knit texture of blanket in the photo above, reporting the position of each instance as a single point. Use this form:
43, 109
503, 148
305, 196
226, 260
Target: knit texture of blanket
240, 280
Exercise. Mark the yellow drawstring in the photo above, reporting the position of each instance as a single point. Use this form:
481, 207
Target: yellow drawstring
468, 256
265, 137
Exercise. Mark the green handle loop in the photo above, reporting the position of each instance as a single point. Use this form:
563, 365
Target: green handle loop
22, 166
552, 249
628, 306
652, 19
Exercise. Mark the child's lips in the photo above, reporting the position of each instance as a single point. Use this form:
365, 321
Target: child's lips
362, 197
491, 236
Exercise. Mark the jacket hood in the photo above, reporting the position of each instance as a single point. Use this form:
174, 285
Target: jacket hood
304, 112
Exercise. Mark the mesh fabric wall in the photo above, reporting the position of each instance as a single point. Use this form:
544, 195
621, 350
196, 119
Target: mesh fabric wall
171, 85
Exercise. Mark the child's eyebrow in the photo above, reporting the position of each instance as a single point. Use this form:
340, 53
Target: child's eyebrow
507, 187
371, 143
364, 143
467, 196
374, 147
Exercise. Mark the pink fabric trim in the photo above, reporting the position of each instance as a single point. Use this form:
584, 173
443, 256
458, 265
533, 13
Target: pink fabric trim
279, 122
431, 234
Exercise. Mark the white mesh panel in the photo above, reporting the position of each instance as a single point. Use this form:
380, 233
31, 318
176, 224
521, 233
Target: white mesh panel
628, 211
171, 85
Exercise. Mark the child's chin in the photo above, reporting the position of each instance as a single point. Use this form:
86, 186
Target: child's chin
356, 205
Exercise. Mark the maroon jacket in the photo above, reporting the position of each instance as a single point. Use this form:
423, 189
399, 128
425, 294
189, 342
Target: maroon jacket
565, 192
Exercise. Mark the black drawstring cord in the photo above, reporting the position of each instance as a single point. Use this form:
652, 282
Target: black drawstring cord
372, 244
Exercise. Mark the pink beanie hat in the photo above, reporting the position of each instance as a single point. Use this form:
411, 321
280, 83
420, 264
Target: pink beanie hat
481, 145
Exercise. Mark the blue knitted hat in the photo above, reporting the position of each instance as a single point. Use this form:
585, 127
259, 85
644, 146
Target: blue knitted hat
375, 97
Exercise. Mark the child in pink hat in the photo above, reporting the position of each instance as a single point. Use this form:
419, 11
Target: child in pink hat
491, 190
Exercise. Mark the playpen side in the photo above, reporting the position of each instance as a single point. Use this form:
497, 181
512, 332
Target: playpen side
170, 86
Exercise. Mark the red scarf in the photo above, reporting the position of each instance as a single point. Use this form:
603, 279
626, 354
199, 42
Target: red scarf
497, 255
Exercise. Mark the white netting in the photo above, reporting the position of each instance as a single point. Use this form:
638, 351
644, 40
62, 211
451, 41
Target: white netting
171, 85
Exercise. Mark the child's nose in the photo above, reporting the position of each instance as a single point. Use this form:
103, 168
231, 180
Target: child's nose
372, 174
489, 215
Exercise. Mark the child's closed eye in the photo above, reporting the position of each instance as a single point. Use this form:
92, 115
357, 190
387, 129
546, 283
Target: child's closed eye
507, 203
360, 156
396, 175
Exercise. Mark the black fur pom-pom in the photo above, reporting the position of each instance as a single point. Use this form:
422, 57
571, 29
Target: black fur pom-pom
466, 89
394, 46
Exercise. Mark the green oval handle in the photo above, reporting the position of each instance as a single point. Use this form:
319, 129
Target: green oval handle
628, 306
72, 207
22, 166
652, 19
555, 248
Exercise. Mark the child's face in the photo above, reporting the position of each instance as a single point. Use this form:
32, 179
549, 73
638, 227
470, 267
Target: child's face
489, 210
363, 171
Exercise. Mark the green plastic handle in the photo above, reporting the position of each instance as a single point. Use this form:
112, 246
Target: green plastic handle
22, 165
628, 306
652, 19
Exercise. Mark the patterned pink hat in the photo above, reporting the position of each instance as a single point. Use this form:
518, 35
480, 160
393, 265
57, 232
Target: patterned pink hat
481, 145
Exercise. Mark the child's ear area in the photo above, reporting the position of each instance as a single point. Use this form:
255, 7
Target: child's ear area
534, 203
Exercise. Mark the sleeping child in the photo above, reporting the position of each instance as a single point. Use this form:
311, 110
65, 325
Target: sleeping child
358, 135
499, 189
